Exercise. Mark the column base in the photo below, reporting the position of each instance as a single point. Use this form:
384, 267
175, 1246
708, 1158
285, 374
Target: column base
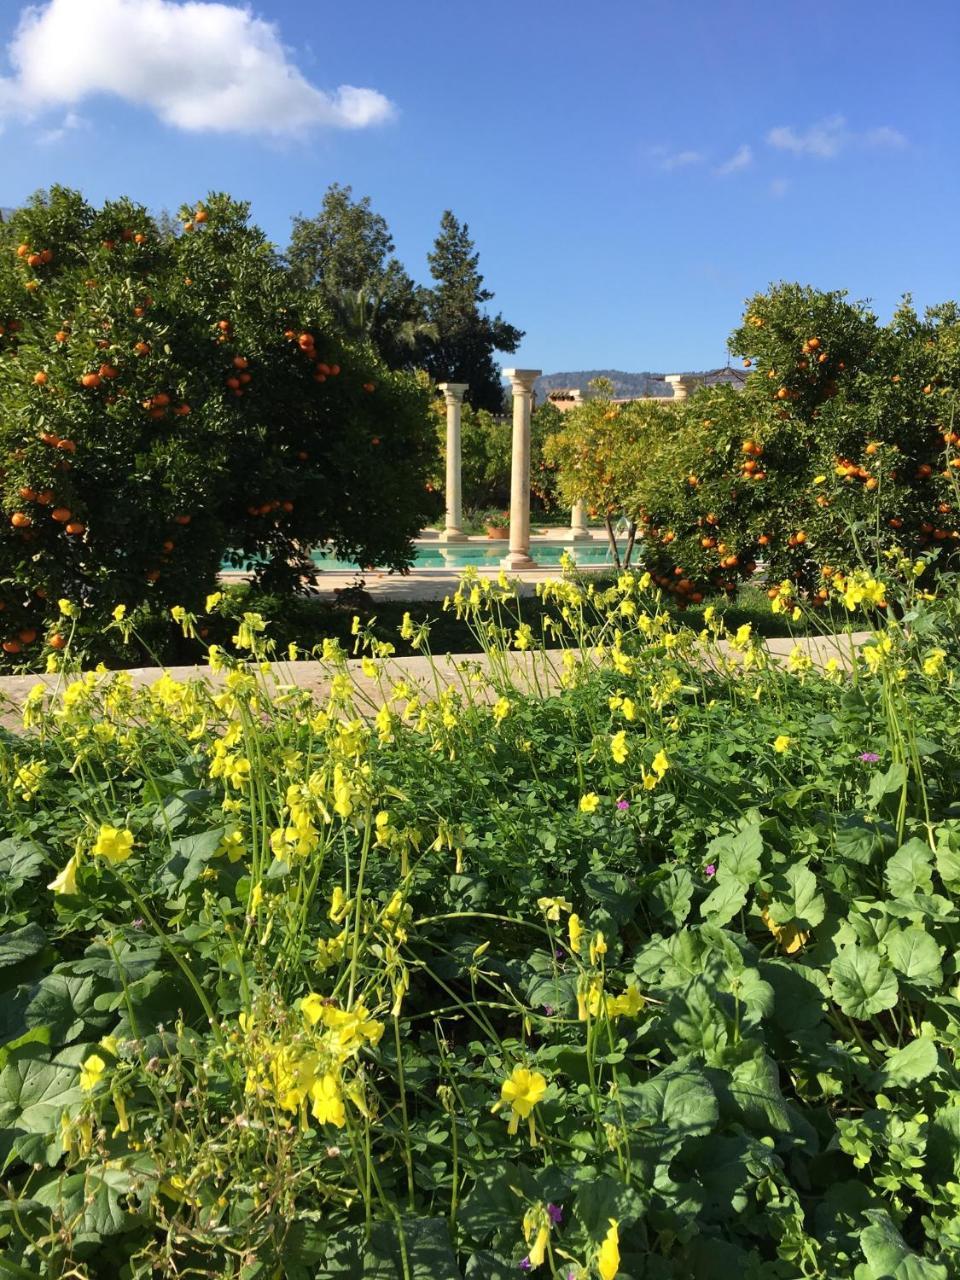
453, 535
517, 560
581, 535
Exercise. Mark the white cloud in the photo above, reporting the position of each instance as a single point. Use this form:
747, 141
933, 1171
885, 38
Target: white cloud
827, 138
71, 121
677, 159
742, 158
199, 66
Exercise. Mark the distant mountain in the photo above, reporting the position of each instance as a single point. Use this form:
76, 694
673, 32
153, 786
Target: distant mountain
626, 385
6, 214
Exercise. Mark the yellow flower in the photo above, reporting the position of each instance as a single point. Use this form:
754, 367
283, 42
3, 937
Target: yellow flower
934, 661
91, 1072
575, 933
551, 907
589, 802
326, 1101
521, 1092
113, 844
501, 709
67, 609
781, 743
212, 601
66, 881
619, 748
608, 1260
629, 1003
119, 613
660, 763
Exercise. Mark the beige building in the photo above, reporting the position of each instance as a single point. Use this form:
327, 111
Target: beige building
677, 386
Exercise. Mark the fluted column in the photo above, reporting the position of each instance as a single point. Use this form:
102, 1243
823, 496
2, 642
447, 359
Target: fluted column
521, 381
453, 395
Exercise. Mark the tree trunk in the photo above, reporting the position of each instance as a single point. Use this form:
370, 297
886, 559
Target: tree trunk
613, 540
631, 539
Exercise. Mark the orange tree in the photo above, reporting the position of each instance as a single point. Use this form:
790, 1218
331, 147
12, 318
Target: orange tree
169, 402
841, 446
598, 450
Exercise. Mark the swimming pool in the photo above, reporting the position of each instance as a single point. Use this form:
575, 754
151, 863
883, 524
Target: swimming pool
433, 555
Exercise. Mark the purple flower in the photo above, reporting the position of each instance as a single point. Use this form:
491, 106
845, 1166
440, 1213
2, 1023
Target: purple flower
869, 757
138, 923
549, 1010
559, 954
709, 870
556, 1214
525, 1265
623, 804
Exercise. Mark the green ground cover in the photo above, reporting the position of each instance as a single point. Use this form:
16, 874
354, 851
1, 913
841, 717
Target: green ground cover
653, 977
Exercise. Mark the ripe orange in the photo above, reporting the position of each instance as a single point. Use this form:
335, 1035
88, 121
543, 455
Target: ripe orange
139, 238
20, 520
40, 378
66, 446
11, 646
240, 362
924, 471
369, 386
108, 371
27, 635
75, 527
141, 348
763, 539
813, 343
200, 215
800, 536
91, 380
223, 325
61, 335
334, 370
108, 244
28, 493
182, 519
34, 260
57, 641
45, 497
23, 250
233, 382
305, 341
61, 514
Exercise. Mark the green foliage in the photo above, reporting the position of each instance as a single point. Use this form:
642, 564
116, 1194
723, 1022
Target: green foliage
648, 935
159, 407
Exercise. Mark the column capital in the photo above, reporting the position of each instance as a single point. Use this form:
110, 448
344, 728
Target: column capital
681, 384
453, 390
522, 380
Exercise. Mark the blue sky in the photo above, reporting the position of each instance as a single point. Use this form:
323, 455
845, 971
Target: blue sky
631, 171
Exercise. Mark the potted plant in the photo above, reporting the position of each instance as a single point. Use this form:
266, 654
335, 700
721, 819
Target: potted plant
497, 524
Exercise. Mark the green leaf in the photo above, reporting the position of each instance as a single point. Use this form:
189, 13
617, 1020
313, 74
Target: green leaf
65, 1003
33, 1094
859, 984
910, 871
20, 860
909, 1065
724, 902
883, 784
600, 1199
190, 856
794, 898
738, 856
948, 859
21, 944
89, 1203
670, 898
915, 955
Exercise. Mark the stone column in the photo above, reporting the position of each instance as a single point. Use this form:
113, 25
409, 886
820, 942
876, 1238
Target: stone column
578, 518
453, 395
578, 524
681, 384
518, 557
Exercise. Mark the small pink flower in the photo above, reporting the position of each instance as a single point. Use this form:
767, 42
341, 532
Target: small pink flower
623, 804
710, 870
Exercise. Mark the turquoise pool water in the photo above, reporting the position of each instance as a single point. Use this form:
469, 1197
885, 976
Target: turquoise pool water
460, 555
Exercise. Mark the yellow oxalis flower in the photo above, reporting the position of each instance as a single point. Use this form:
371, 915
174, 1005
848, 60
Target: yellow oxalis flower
619, 748
608, 1260
589, 803
781, 743
66, 881
521, 1091
575, 933
326, 1101
551, 907
113, 843
789, 937
91, 1072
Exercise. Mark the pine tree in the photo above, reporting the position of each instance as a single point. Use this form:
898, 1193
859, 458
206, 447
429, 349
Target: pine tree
467, 336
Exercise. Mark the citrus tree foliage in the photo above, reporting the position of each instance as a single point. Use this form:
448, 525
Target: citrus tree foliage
840, 446
167, 401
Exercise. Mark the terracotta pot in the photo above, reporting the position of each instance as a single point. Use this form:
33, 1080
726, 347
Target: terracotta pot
499, 531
